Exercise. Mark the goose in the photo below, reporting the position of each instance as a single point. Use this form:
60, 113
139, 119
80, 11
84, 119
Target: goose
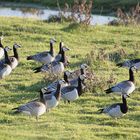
71, 93
53, 85
54, 67
72, 82
14, 59
116, 110
53, 98
59, 55
76, 73
44, 57
124, 87
34, 108
5, 68
1, 48
130, 63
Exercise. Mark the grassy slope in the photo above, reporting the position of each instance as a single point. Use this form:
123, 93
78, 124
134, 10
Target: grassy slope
104, 6
79, 120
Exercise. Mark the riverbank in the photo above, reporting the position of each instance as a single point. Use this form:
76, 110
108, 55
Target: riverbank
108, 7
80, 119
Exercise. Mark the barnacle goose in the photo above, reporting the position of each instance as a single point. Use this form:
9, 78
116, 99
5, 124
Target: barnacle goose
44, 57
116, 110
34, 108
124, 87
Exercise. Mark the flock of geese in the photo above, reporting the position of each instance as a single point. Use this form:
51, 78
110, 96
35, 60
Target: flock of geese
71, 87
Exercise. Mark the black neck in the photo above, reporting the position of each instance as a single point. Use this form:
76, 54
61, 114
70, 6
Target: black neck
66, 77
15, 53
82, 71
124, 107
51, 49
58, 92
7, 60
60, 48
131, 75
79, 88
63, 58
1, 46
42, 97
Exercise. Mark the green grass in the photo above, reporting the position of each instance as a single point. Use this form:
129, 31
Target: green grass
79, 120
99, 6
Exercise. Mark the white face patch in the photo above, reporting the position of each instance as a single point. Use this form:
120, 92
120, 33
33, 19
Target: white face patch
52, 40
84, 66
67, 73
82, 77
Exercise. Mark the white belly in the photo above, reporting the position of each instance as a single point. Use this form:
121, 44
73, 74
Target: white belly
5, 71
47, 59
14, 63
58, 69
1, 53
52, 103
70, 96
115, 112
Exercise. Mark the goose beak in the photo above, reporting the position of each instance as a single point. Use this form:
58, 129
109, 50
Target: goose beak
128, 96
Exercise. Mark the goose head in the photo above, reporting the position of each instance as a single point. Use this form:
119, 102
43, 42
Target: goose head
84, 66
67, 73
16, 46
64, 48
7, 48
82, 77
126, 96
52, 40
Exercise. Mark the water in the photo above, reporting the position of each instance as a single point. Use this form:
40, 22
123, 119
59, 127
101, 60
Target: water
43, 14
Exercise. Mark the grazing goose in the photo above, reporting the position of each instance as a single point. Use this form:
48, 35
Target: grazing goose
53, 86
124, 87
1, 48
53, 98
71, 93
44, 57
5, 68
54, 67
116, 110
72, 82
130, 63
34, 108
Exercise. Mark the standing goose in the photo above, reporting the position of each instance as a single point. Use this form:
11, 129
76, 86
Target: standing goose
130, 63
71, 93
5, 68
54, 67
44, 57
124, 87
15, 58
59, 55
53, 98
34, 108
116, 110
1, 48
